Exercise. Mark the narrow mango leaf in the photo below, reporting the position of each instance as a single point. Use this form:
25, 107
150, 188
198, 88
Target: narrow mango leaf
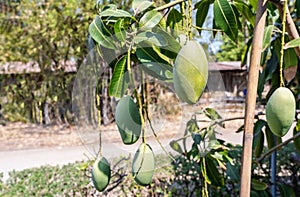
290, 58
213, 173
225, 19
258, 126
176, 146
232, 172
174, 21
101, 34
258, 185
150, 38
118, 84
286, 191
240, 129
119, 28
245, 10
292, 43
139, 6
150, 19
153, 64
260, 144
269, 137
297, 140
267, 37
245, 52
112, 12
212, 114
202, 10
172, 46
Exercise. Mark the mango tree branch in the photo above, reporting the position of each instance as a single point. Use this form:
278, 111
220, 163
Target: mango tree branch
290, 25
251, 97
277, 147
168, 5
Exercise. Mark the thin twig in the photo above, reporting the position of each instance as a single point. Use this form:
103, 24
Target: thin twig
277, 147
168, 5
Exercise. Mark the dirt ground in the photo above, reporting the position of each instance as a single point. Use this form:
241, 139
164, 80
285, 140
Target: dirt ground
19, 136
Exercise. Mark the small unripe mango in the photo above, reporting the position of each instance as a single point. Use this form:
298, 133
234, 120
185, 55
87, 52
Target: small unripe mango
190, 72
280, 111
128, 120
101, 174
143, 165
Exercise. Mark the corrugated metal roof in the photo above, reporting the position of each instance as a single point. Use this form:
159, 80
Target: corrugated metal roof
32, 67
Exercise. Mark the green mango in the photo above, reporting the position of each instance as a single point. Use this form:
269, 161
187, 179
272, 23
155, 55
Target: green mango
143, 165
128, 120
280, 111
101, 174
190, 72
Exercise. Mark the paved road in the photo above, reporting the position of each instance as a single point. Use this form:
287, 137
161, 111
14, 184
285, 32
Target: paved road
23, 159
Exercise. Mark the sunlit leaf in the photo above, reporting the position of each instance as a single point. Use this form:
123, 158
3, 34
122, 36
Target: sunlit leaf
267, 37
101, 34
293, 43
174, 21
111, 12
119, 28
150, 19
176, 146
153, 64
225, 18
118, 84
140, 5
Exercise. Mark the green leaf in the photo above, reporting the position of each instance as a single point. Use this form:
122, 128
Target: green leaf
293, 43
259, 124
139, 6
290, 58
297, 140
245, 10
153, 64
232, 172
260, 144
202, 10
150, 19
101, 34
225, 19
119, 28
150, 38
118, 83
269, 137
172, 47
176, 146
286, 191
174, 21
213, 173
113, 12
267, 37
258, 185
212, 114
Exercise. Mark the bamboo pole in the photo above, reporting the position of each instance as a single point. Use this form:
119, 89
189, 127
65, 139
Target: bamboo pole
251, 97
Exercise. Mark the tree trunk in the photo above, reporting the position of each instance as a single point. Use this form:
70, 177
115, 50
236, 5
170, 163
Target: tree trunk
251, 98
